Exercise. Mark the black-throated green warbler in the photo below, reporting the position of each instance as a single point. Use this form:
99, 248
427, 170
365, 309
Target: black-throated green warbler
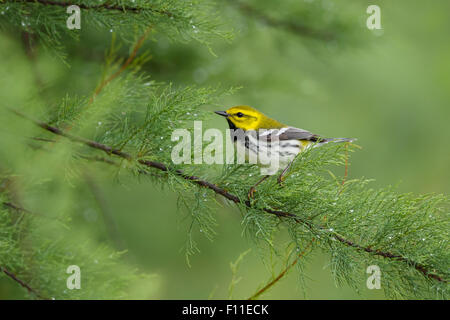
272, 138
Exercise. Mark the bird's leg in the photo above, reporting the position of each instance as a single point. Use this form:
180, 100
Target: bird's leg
281, 176
252, 189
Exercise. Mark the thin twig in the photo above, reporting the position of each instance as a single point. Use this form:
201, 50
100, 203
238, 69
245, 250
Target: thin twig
125, 65
282, 273
16, 207
345, 172
42, 139
346, 164
203, 183
99, 159
22, 283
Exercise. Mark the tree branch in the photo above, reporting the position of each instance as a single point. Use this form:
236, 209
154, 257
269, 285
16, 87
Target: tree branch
103, 6
282, 273
425, 270
130, 59
15, 207
12, 206
22, 283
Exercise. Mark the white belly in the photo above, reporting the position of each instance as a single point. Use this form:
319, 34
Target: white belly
270, 156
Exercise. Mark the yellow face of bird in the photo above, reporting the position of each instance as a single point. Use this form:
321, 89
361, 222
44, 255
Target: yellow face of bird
247, 118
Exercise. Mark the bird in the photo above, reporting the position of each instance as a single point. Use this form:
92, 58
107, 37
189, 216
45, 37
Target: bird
265, 131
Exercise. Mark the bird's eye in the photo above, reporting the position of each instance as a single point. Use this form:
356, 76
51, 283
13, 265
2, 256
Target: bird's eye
239, 114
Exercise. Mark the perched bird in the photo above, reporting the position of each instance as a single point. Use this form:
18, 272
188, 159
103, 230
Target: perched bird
290, 141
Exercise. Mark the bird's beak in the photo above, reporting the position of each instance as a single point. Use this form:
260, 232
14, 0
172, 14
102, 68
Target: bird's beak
222, 113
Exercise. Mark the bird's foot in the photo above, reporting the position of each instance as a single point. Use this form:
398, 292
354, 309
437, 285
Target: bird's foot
251, 193
280, 180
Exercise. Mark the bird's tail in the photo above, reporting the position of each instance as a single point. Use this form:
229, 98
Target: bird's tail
337, 140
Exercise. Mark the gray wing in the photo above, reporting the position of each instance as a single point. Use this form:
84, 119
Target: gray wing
291, 133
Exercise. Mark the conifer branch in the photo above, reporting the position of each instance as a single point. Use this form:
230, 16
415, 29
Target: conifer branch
425, 270
282, 273
22, 283
346, 165
16, 207
103, 6
125, 65
99, 159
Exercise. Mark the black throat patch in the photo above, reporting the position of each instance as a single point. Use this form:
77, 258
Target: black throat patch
231, 124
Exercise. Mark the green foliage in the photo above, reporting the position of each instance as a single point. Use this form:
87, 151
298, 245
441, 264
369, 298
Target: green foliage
406, 235
412, 226
180, 20
38, 249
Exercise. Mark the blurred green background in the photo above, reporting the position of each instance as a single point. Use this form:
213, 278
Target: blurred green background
390, 90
